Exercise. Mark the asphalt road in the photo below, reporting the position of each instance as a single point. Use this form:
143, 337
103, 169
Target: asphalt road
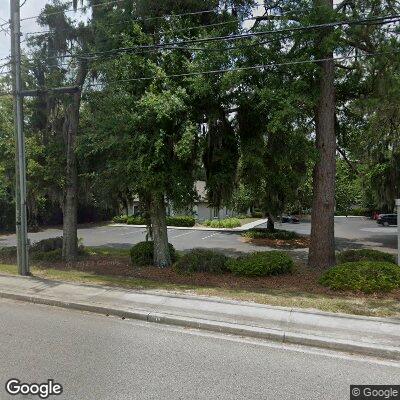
350, 233
98, 357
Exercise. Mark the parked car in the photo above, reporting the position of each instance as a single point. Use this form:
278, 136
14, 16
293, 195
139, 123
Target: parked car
289, 219
387, 219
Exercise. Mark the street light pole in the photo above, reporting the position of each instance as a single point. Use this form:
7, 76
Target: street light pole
20, 159
398, 231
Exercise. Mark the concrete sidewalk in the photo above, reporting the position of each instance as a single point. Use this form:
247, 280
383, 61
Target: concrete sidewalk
239, 229
365, 335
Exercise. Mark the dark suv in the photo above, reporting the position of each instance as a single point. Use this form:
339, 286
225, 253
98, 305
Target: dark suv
387, 219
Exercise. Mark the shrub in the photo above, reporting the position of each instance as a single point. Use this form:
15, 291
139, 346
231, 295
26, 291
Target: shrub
262, 264
363, 276
7, 252
122, 219
184, 221
365, 255
142, 254
260, 233
135, 220
223, 223
202, 260
48, 256
47, 245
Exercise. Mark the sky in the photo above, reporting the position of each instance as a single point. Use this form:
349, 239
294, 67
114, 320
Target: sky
31, 7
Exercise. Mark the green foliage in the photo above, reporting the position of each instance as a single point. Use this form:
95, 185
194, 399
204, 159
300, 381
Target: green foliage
363, 276
179, 221
47, 256
47, 245
122, 219
202, 260
348, 189
136, 220
262, 264
223, 223
142, 254
259, 233
365, 255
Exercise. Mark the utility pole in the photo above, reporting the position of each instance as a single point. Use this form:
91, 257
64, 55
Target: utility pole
398, 231
20, 160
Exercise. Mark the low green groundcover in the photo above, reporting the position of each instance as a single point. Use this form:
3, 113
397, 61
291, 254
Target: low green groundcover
260, 233
142, 254
180, 221
363, 276
262, 264
223, 223
202, 260
365, 255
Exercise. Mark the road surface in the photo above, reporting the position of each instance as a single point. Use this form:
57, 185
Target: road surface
103, 358
350, 233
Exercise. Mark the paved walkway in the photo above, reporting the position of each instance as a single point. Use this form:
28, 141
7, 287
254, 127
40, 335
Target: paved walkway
373, 336
242, 228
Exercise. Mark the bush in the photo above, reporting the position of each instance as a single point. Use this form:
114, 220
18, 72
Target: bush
48, 245
363, 276
122, 219
262, 264
365, 255
261, 233
184, 221
7, 252
135, 220
142, 254
202, 260
48, 256
223, 223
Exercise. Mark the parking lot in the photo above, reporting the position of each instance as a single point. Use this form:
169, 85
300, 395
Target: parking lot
350, 233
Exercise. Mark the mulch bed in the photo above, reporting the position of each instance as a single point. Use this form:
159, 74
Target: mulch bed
303, 279
299, 243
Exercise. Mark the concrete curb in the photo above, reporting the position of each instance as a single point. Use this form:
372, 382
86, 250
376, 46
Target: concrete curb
277, 335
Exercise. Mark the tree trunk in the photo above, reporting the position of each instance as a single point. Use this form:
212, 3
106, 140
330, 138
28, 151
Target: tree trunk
322, 248
162, 256
70, 204
270, 223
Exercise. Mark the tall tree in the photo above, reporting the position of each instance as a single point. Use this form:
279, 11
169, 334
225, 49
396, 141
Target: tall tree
322, 247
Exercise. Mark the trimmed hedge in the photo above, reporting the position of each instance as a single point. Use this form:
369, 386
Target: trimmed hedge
262, 264
183, 221
365, 255
223, 223
142, 254
202, 260
260, 233
363, 276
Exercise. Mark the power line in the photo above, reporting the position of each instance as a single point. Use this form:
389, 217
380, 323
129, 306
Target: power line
261, 66
142, 18
383, 20
225, 70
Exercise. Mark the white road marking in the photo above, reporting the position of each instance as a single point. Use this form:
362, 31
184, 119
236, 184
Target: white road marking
210, 236
183, 234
